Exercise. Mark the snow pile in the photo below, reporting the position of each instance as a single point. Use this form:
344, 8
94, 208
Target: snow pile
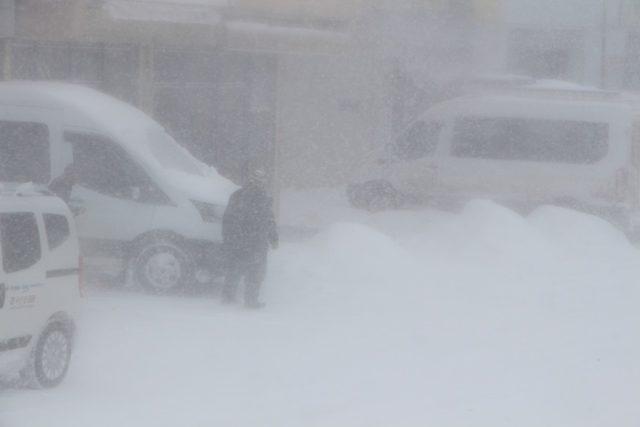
401, 318
493, 318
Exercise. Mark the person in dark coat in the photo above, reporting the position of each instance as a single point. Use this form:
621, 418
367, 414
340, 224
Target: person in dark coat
248, 230
62, 186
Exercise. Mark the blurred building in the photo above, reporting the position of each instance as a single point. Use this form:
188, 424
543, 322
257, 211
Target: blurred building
238, 82
309, 89
592, 42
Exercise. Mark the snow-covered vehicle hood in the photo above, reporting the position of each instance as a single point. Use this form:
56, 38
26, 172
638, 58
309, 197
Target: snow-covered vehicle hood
210, 188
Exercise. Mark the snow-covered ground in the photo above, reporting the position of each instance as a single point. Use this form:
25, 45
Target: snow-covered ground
406, 318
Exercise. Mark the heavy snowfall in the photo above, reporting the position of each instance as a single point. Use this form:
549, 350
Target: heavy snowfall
399, 318
456, 187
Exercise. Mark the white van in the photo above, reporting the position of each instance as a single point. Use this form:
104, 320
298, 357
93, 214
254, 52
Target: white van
141, 197
39, 287
523, 148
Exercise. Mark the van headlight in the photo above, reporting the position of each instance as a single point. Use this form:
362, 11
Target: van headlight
208, 211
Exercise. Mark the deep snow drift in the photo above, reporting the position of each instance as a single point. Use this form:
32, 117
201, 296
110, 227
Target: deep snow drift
400, 318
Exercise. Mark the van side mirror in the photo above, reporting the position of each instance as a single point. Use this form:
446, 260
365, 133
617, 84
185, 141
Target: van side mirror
135, 193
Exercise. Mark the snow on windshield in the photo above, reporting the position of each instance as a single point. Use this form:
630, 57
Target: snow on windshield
170, 155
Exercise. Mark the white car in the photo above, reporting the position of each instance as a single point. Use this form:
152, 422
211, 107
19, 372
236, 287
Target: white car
141, 198
521, 147
40, 287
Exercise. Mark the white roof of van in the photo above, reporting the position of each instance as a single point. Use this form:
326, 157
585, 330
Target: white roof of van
90, 109
39, 202
549, 101
84, 107
105, 111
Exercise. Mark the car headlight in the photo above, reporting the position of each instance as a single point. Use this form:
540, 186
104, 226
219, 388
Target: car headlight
208, 211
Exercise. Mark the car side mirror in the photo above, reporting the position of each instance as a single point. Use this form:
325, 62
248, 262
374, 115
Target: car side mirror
135, 193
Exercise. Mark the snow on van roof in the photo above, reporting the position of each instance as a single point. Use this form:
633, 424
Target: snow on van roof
104, 110
88, 108
549, 84
176, 11
526, 84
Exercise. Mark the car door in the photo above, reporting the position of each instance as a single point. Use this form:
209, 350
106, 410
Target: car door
62, 268
5, 320
633, 192
113, 197
23, 280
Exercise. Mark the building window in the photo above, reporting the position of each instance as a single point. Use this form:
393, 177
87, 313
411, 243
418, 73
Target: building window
632, 63
547, 54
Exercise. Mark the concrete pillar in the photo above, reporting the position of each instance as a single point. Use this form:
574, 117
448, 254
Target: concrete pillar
7, 57
146, 92
277, 141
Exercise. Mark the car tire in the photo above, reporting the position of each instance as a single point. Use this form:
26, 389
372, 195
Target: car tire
50, 359
374, 196
161, 266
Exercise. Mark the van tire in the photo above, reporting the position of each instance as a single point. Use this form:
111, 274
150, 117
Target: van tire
49, 362
161, 266
374, 196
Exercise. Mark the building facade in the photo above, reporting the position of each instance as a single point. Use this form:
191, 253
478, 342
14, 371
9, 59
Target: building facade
310, 90
592, 42
238, 82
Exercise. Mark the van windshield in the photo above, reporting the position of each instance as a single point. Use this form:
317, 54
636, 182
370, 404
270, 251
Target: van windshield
171, 155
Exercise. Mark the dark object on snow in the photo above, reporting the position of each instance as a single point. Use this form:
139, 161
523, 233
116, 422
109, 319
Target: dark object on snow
248, 230
374, 196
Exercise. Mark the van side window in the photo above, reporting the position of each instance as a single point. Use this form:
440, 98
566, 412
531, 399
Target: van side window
421, 140
20, 241
24, 152
57, 229
104, 167
537, 140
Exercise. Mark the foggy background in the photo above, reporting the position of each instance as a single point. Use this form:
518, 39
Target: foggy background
310, 88
406, 317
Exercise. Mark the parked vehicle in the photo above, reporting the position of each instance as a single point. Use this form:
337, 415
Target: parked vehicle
39, 287
141, 198
520, 147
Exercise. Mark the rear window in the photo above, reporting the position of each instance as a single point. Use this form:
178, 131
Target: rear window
20, 241
57, 229
535, 140
24, 152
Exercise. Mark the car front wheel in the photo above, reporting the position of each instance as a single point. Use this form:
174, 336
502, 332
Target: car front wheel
50, 360
162, 266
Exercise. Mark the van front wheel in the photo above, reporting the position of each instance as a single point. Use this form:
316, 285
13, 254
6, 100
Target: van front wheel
161, 266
